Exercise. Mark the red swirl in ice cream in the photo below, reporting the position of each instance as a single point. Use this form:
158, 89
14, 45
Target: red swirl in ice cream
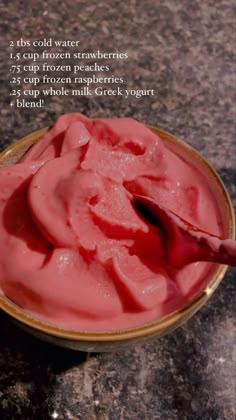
73, 249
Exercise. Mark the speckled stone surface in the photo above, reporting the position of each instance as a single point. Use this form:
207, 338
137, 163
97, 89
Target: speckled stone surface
186, 52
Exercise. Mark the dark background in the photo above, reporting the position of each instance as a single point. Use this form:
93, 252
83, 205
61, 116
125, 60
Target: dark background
185, 51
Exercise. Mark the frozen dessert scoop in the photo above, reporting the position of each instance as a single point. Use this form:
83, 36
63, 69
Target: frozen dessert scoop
83, 245
183, 242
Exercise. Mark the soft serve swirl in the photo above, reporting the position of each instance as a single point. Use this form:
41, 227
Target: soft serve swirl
73, 250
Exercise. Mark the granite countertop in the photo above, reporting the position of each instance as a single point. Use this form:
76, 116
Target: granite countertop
185, 51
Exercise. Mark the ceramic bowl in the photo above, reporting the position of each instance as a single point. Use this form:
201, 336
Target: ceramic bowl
116, 340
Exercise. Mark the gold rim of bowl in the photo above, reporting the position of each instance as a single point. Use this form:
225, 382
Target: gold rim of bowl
157, 327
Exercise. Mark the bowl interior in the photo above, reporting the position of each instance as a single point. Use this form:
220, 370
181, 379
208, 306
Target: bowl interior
160, 326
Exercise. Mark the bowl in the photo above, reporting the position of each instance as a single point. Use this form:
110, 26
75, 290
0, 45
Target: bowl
116, 340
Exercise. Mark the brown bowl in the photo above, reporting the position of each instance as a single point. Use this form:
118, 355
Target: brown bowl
115, 340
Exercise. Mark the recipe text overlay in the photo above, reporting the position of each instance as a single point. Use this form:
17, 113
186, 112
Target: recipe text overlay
48, 67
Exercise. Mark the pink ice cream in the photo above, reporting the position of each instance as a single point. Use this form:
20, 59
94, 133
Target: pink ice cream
74, 251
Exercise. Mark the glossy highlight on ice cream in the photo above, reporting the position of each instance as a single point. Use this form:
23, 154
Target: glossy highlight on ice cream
74, 250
